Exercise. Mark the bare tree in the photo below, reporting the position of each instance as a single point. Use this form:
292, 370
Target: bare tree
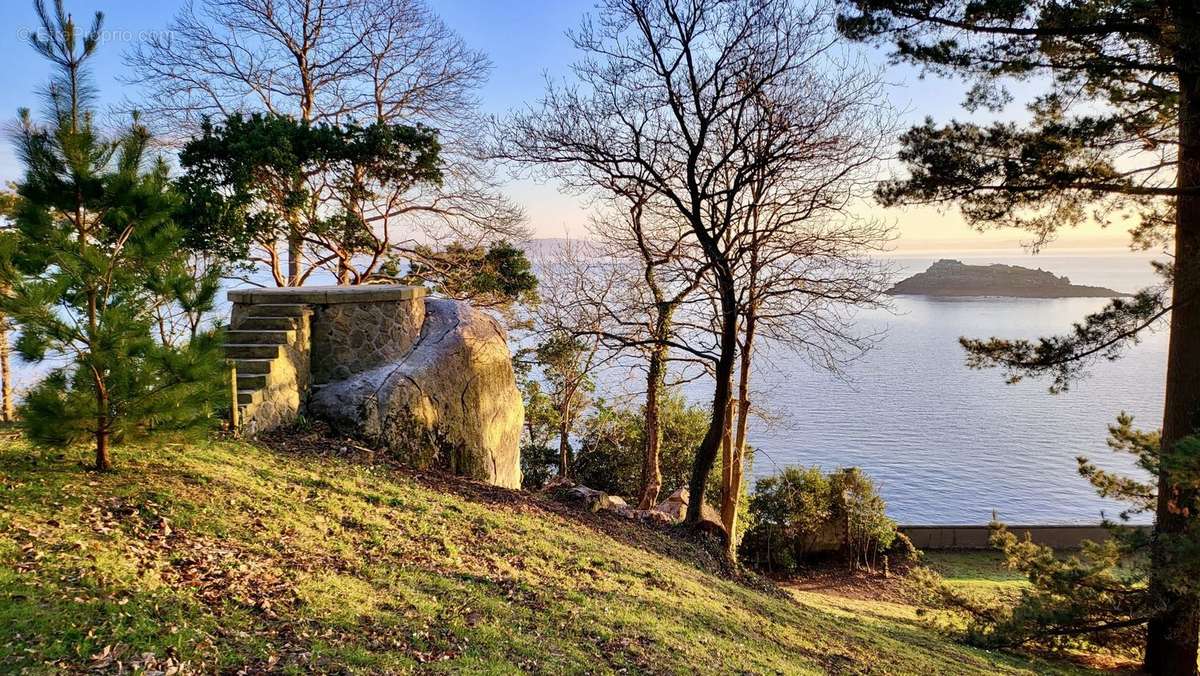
805, 255
337, 62
570, 335
657, 280
670, 97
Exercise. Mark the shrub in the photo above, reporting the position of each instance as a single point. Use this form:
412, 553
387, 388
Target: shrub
801, 513
537, 465
613, 442
867, 532
1100, 598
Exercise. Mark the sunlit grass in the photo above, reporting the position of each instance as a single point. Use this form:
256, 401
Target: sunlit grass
224, 554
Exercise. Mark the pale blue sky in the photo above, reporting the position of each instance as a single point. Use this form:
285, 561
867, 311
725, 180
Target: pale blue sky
525, 41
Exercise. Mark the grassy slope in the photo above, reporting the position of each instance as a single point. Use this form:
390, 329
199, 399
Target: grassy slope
226, 555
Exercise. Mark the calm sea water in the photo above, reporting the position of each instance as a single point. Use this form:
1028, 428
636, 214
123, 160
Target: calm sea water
948, 444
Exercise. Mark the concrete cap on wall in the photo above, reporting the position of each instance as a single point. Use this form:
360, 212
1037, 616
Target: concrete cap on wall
328, 295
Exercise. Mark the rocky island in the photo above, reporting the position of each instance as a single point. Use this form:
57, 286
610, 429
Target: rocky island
949, 277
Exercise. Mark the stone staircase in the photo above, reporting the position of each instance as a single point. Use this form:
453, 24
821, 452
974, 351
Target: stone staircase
268, 345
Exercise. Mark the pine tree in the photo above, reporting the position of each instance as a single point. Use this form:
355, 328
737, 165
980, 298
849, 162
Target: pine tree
1100, 596
97, 249
1114, 135
255, 180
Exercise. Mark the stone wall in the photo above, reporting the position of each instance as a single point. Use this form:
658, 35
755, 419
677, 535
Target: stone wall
352, 328
976, 537
430, 381
349, 338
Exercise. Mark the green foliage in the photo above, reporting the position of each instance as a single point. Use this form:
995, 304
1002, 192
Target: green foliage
1099, 598
557, 381
1092, 600
159, 388
495, 276
95, 254
1091, 146
538, 456
612, 445
266, 177
1099, 146
1103, 334
867, 531
792, 511
801, 513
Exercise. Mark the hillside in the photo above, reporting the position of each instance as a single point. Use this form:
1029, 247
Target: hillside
948, 277
225, 556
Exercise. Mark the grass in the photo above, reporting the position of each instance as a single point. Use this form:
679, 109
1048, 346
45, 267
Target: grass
980, 572
224, 556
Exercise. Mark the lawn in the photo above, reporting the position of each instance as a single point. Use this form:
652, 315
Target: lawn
982, 571
223, 555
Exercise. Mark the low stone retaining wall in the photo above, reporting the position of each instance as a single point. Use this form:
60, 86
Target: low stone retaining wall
976, 537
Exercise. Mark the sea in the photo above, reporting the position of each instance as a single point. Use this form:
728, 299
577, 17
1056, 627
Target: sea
950, 445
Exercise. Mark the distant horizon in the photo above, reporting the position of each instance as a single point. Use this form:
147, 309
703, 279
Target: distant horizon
916, 248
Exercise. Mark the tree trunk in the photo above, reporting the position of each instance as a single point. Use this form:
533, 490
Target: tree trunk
7, 406
727, 463
651, 471
729, 506
295, 247
706, 455
1174, 632
103, 460
564, 442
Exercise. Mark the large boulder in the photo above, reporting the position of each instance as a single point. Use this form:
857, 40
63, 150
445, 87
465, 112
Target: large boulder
451, 403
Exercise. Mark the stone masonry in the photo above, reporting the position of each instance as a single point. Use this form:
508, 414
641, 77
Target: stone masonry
285, 341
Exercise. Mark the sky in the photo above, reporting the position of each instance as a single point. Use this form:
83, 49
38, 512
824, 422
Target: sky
526, 42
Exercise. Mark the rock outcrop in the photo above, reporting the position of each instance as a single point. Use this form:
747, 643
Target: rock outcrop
450, 403
949, 277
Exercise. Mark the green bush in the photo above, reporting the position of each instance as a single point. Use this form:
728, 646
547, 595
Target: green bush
802, 513
612, 444
537, 465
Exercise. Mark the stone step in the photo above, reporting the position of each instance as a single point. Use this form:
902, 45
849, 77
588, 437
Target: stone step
268, 324
240, 337
247, 397
251, 381
253, 366
239, 351
277, 310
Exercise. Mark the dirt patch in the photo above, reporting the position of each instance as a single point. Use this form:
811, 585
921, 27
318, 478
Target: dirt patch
836, 579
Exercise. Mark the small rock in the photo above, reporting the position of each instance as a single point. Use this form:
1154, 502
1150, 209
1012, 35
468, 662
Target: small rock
589, 497
675, 506
557, 483
613, 502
